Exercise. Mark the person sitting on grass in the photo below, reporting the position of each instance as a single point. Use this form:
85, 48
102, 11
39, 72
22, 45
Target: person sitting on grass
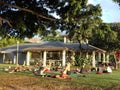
64, 73
99, 69
39, 71
108, 69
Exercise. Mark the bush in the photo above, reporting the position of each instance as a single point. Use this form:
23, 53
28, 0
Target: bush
79, 61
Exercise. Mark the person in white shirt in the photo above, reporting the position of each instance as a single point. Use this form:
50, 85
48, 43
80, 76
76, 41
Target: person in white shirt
109, 70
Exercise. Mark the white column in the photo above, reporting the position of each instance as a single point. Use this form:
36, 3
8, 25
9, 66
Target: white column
103, 57
63, 57
99, 56
28, 59
3, 57
65, 39
17, 53
93, 58
14, 60
73, 58
44, 58
107, 58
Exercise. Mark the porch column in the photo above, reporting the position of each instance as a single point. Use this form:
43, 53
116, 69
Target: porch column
99, 56
65, 39
3, 57
73, 58
44, 58
14, 60
93, 58
63, 57
28, 59
103, 57
107, 58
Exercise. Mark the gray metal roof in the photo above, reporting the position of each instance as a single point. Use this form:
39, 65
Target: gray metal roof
49, 45
8, 50
82, 46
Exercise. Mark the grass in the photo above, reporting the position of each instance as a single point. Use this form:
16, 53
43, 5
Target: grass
28, 81
6, 65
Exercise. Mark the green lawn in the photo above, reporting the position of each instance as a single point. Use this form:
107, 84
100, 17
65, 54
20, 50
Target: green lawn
90, 81
6, 65
105, 80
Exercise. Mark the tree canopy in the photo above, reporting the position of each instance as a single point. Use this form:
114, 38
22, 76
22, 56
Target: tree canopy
85, 20
26, 18
104, 37
10, 41
116, 27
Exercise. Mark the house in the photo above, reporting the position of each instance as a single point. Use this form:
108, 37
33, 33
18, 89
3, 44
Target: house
50, 51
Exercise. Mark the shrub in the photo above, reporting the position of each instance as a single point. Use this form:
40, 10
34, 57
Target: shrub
79, 61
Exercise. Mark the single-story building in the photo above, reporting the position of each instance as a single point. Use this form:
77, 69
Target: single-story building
49, 51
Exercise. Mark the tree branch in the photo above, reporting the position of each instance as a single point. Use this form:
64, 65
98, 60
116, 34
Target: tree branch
3, 19
27, 10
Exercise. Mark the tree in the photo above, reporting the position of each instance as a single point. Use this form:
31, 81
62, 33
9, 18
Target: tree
53, 36
9, 41
115, 27
27, 17
30, 17
105, 38
83, 20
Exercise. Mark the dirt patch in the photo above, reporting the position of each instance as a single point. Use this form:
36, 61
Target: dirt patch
23, 82
16, 82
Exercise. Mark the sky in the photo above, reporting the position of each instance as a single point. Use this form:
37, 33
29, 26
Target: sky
110, 10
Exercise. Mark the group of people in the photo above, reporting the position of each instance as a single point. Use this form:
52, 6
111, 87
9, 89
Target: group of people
104, 69
41, 71
101, 68
64, 74
18, 68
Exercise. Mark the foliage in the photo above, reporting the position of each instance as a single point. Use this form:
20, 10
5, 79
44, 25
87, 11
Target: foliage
116, 28
9, 41
53, 37
79, 61
27, 18
105, 38
83, 21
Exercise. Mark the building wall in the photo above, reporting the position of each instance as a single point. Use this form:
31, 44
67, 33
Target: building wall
8, 57
22, 58
12, 58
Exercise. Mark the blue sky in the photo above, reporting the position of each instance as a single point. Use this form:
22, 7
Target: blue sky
110, 10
